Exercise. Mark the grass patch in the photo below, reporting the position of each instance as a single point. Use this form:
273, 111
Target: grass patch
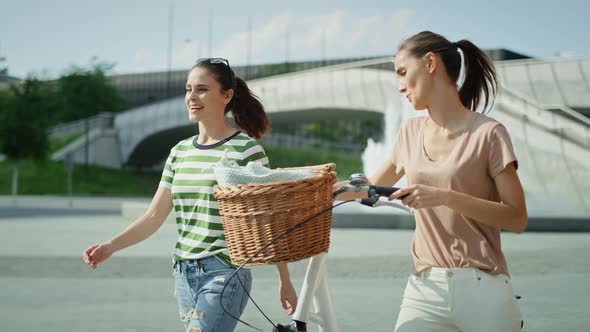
346, 164
57, 143
50, 178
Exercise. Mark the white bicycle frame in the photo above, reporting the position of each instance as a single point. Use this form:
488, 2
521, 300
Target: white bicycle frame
315, 293
315, 303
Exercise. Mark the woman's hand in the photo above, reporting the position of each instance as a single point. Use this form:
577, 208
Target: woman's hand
339, 184
421, 196
97, 254
288, 296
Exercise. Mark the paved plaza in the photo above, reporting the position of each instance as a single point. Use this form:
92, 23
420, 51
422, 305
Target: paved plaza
44, 285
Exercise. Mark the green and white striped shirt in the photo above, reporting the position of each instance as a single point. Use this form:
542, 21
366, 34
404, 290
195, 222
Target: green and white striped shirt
189, 174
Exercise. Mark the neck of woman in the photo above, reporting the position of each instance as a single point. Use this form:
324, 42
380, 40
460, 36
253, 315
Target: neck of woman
211, 132
447, 111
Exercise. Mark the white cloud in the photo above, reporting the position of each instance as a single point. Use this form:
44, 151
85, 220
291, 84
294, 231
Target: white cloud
183, 56
567, 54
344, 35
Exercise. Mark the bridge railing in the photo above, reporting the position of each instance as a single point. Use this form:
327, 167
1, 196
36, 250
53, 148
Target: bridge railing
371, 86
558, 119
549, 82
102, 120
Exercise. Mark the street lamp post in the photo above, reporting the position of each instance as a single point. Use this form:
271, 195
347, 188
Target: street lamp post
169, 64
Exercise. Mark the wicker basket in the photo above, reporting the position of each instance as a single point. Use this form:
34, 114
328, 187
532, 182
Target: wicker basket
255, 214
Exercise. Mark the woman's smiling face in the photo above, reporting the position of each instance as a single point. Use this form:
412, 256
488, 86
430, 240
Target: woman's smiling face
204, 96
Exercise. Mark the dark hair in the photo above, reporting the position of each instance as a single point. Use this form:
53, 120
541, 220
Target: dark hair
480, 75
245, 107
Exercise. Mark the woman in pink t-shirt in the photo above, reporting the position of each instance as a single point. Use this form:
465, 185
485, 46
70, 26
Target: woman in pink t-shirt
463, 187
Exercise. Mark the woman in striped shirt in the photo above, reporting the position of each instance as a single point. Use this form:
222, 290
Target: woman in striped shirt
201, 258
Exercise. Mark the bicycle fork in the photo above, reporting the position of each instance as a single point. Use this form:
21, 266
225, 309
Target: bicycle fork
314, 292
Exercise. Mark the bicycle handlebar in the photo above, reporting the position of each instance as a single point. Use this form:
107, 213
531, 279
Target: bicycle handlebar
371, 190
386, 191
360, 184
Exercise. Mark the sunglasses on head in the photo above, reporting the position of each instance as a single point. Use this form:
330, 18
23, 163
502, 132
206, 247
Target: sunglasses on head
220, 61
213, 60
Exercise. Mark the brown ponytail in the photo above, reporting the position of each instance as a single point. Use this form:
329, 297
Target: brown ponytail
248, 111
480, 76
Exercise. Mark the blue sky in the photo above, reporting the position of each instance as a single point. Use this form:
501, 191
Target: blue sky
46, 37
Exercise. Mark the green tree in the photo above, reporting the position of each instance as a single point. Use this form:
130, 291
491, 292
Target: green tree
87, 92
23, 124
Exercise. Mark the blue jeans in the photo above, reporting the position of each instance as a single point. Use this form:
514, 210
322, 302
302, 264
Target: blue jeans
198, 290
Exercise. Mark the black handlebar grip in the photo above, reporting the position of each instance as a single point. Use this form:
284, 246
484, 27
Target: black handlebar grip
386, 191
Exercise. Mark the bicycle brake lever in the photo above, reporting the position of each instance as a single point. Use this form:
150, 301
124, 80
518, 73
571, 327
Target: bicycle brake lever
393, 204
374, 201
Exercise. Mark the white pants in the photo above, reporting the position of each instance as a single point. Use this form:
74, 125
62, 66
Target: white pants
466, 300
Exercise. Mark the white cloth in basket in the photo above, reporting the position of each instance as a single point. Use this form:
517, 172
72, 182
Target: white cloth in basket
229, 173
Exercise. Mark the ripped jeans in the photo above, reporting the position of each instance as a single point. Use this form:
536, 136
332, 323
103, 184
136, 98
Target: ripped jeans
198, 285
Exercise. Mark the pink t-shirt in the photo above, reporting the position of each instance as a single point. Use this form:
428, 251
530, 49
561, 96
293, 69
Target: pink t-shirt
443, 237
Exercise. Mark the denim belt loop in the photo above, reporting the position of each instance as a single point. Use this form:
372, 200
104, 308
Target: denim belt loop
198, 264
178, 265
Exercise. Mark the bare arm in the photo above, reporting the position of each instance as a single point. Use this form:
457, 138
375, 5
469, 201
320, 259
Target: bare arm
286, 289
146, 225
510, 214
386, 175
142, 228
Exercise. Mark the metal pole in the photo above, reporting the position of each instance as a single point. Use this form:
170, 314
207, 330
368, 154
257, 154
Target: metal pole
210, 41
287, 36
70, 187
3, 70
87, 146
323, 46
170, 33
249, 49
69, 167
14, 181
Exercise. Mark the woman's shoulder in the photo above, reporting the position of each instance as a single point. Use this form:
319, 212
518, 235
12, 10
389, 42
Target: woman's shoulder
189, 141
413, 124
184, 144
242, 139
485, 125
416, 120
240, 135
249, 149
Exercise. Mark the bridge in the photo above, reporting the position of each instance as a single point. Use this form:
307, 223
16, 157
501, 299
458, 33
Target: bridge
541, 102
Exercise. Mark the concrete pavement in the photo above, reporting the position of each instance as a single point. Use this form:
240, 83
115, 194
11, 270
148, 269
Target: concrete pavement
45, 285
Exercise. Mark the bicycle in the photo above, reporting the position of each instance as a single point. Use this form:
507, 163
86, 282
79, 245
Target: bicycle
315, 292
